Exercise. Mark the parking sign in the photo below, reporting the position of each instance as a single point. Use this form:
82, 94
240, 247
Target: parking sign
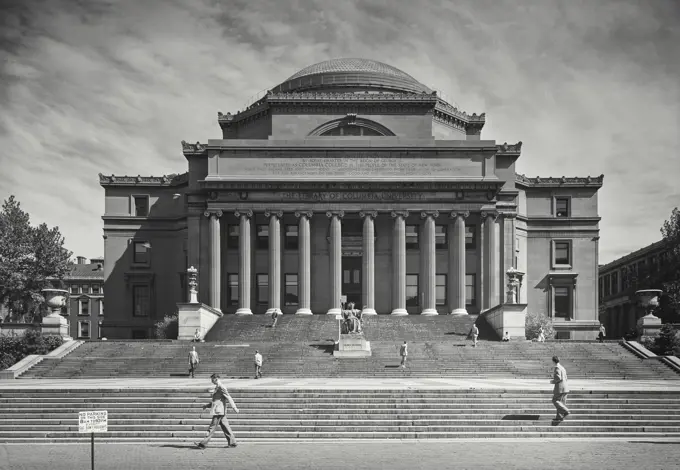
93, 421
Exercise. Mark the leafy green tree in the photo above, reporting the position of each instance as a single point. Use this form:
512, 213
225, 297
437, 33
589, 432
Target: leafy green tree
534, 321
29, 257
669, 271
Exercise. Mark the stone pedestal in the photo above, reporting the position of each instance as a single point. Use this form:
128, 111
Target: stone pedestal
649, 325
354, 345
55, 325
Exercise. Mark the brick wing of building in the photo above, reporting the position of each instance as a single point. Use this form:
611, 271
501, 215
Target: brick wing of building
350, 181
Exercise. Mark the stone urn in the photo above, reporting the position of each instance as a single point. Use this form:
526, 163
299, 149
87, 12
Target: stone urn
648, 299
54, 324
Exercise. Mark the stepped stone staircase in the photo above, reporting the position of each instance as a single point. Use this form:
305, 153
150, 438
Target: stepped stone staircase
148, 415
302, 347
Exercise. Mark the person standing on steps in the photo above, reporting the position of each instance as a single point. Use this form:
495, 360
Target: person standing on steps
275, 317
560, 391
474, 331
258, 364
602, 333
193, 361
220, 396
403, 352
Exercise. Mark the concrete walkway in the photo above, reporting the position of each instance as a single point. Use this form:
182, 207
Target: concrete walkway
343, 383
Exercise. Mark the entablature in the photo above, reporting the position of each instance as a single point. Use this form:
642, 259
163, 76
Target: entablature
559, 182
144, 181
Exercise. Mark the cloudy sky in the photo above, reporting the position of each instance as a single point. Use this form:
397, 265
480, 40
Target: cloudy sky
90, 86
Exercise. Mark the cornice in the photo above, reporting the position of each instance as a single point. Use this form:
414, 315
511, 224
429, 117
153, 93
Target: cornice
559, 221
194, 149
349, 186
125, 180
555, 182
509, 149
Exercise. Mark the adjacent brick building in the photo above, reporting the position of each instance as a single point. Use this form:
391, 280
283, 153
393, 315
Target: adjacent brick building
350, 181
85, 308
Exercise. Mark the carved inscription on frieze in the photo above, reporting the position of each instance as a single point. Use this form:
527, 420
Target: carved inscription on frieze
352, 196
358, 164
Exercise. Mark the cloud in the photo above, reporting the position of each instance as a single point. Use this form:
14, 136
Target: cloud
95, 86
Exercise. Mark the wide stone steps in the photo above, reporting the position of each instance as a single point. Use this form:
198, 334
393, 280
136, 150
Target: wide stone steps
162, 415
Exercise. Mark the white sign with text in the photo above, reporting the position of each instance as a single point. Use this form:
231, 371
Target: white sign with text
93, 421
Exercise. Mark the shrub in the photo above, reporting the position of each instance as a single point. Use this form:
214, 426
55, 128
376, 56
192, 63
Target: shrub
15, 348
533, 323
168, 328
666, 343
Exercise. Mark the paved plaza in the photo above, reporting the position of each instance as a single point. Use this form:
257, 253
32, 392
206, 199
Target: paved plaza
460, 454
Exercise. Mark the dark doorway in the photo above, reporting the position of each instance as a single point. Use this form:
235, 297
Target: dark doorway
351, 279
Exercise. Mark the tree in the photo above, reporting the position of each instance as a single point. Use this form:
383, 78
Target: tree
29, 257
669, 271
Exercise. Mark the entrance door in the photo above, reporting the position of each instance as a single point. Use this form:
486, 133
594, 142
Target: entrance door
351, 280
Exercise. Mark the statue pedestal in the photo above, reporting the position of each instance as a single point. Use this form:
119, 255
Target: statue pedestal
55, 325
354, 345
649, 325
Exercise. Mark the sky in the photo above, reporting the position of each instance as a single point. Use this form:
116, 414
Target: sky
92, 86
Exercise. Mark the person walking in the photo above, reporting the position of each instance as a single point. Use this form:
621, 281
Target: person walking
474, 331
541, 335
560, 390
403, 352
218, 406
193, 361
258, 364
601, 335
275, 316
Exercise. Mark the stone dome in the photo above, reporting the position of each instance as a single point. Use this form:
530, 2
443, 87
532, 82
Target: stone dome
357, 74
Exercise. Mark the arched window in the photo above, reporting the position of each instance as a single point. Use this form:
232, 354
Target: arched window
351, 130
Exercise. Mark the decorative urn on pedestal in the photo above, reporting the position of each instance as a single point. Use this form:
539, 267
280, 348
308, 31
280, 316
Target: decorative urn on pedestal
648, 299
54, 324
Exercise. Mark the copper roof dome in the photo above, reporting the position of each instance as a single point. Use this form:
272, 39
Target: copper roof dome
357, 74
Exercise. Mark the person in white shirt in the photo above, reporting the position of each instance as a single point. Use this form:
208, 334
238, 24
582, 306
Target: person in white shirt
541, 335
506, 337
403, 352
258, 364
474, 331
193, 361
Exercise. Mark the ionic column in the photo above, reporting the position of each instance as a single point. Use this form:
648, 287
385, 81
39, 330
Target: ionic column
304, 264
490, 274
368, 263
215, 257
399, 263
457, 272
274, 260
244, 263
430, 268
336, 262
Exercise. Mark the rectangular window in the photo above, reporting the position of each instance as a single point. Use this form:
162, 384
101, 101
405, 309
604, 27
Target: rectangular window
562, 253
101, 306
262, 242
84, 307
291, 237
562, 302
440, 289
607, 285
232, 289
83, 329
141, 300
74, 289
600, 288
141, 206
470, 289
440, 237
95, 289
141, 252
470, 237
262, 288
291, 294
412, 298
411, 237
85, 289
232, 236
615, 283
561, 207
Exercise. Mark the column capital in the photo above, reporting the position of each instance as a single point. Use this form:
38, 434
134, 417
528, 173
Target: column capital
213, 212
339, 214
371, 214
243, 212
426, 214
490, 214
273, 213
462, 214
508, 215
402, 214
307, 214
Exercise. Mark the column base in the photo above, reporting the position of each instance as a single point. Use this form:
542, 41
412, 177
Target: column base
399, 311
334, 311
303, 311
430, 311
369, 311
459, 311
244, 311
